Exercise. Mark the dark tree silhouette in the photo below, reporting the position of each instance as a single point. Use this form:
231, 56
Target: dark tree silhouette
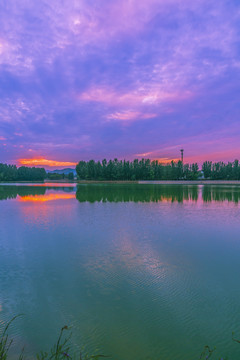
23, 173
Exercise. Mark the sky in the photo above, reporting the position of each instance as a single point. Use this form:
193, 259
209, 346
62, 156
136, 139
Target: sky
95, 79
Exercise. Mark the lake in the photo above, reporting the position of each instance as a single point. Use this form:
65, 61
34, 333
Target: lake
137, 271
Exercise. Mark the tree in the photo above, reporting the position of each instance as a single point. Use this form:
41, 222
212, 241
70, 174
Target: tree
81, 169
207, 169
70, 176
146, 169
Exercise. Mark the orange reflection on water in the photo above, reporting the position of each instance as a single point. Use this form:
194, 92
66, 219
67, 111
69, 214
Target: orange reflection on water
46, 197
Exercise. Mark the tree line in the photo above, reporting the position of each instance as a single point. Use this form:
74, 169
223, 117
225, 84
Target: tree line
57, 176
23, 173
135, 170
221, 171
146, 169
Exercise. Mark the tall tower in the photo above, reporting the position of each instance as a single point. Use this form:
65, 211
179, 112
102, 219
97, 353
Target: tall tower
182, 154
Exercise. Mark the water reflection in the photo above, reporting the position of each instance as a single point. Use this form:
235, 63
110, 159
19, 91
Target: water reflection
46, 197
36, 193
121, 193
157, 193
221, 193
136, 193
116, 272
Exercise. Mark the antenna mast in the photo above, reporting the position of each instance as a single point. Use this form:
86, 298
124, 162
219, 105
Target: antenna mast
182, 154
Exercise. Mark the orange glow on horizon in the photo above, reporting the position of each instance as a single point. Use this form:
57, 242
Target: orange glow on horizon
166, 160
47, 197
45, 162
161, 160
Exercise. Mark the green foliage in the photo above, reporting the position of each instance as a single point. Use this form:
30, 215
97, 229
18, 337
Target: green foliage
71, 176
23, 173
59, 351
55, 176
207, 169
221, 171
146, 169
5, 343
62, 349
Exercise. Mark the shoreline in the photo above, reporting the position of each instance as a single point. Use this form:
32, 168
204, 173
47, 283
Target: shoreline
162, 182
129, 182
37, 182
191, 182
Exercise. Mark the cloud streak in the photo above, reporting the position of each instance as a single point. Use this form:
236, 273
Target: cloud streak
129, 116
45, 162
137, 97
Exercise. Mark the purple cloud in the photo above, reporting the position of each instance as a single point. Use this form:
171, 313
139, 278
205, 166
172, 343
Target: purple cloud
94, 79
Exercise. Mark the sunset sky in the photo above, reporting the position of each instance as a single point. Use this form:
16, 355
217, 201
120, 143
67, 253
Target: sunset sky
94, 79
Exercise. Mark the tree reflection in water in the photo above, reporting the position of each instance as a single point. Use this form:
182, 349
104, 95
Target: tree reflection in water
124, 193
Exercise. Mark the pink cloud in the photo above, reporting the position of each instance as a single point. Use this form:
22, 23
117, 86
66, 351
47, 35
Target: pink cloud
2, 138
215, 155
137, 97
215, 146
129, 116
118, 18
114, 19
162, 160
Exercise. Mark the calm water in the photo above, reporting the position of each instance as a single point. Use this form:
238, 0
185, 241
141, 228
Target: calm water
138, 271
